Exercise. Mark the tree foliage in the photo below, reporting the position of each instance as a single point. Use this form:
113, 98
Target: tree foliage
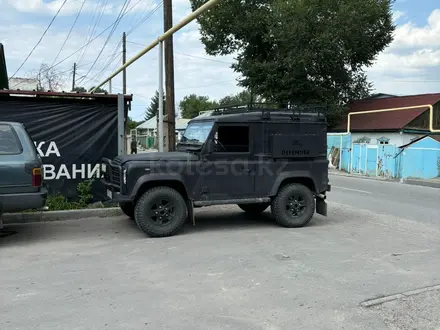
243, 97
192, 104
300, 50
79, 89
153, 109
132, 124
98, 90
48, 78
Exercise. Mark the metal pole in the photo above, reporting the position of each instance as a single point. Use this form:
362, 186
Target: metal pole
74, 77
340, 154
160, 114
110, 86
188, 19
121, 113
124, 59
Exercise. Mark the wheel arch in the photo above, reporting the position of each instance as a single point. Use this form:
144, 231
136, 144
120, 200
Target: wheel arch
303, 178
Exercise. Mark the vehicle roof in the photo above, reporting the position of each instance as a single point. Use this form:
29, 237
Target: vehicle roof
13, 123
256, 116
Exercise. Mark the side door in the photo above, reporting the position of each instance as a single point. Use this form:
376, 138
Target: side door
228, 172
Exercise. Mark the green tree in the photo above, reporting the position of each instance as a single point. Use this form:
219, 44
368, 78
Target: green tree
80, 89
98, 90
132, 124
153, 109
192, 104
300, 50
244, 97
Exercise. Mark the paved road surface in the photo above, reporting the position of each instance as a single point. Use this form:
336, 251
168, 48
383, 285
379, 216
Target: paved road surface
385, 197
232, 271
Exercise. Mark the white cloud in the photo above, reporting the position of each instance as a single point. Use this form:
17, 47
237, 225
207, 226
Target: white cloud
410, 65
397, 15
403, 68
72, 7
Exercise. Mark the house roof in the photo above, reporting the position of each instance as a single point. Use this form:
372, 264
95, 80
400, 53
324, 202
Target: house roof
67, 95
394, 120
149, 124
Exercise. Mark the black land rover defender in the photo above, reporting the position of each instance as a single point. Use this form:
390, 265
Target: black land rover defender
253, 156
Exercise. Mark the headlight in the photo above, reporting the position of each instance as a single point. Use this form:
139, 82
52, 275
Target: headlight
124, 176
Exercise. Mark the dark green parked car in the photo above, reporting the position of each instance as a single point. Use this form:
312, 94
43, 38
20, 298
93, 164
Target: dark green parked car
21, 170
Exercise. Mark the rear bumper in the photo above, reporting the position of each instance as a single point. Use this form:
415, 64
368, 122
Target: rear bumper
19, 202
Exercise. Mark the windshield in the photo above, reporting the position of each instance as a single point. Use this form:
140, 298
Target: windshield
197, 132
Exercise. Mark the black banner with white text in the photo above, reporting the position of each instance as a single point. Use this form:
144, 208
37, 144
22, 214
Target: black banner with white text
71, 137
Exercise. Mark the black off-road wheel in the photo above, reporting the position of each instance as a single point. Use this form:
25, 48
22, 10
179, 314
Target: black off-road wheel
161, 212
128, 209
294, 206
254, 209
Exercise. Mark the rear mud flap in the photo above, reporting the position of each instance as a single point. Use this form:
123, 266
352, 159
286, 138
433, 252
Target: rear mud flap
321, 207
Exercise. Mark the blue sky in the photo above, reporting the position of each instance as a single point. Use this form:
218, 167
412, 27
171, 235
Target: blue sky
409, 66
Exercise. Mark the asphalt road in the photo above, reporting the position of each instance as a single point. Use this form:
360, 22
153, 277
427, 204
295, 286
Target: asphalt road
231, 271
386, 197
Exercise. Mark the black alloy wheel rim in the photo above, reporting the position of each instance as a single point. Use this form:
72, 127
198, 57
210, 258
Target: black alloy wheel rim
162, 211
296, 206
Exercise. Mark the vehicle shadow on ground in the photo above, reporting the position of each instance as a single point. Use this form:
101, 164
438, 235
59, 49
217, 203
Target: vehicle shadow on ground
122, 228
237, 220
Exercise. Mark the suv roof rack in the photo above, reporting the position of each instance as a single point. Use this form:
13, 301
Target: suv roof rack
267, 109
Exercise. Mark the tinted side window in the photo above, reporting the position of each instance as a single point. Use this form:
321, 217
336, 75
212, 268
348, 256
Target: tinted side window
9, 142
233, 138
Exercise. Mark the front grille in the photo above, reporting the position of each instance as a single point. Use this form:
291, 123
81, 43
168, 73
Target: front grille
116, 176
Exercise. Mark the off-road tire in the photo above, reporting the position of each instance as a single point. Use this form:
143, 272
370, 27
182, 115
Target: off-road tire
128, 209
148, 199
254, 209
281, 201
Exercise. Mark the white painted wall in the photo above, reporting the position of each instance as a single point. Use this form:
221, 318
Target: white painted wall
24, 84
397, 139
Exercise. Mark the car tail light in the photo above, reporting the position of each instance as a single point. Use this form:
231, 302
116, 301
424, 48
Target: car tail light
37, 177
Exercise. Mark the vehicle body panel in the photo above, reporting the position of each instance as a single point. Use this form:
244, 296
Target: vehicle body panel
18, 158
275, 150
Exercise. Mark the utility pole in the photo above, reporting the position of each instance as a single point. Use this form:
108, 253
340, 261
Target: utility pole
73, 78
124, 59
169, 76
124, 84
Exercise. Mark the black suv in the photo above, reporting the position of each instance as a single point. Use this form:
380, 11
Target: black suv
253, 156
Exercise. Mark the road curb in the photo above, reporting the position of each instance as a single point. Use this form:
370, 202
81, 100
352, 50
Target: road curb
362, 176
413, 182
43, 216
422, 183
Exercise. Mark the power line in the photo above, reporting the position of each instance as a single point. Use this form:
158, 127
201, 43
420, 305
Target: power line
145, 18
118, 19
92, 32
68, 35
188, 55
39, 41
213, 84
96, 37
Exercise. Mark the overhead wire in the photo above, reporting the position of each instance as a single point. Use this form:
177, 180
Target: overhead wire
94, 38
98, 20
142, 21
41, 38
120, 15
70, 31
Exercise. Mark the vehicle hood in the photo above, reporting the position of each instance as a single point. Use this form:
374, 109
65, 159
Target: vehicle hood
157, 156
